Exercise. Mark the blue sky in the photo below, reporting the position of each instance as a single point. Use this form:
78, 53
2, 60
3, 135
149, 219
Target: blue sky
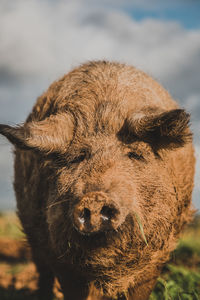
42, 40
186, 13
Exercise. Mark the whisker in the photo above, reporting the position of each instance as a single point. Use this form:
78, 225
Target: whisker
62, 255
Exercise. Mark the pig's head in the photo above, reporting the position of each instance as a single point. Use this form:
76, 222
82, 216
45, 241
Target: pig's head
107, 176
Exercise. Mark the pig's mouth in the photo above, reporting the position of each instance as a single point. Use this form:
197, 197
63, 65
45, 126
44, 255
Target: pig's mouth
88, 230
82, 245
93, 239
102, 238
84, 248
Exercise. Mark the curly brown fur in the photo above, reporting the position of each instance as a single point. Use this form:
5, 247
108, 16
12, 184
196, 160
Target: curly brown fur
104, 144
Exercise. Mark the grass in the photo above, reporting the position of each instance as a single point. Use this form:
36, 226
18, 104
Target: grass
180, 279
15, 269
141, 228
10, 226
177, 282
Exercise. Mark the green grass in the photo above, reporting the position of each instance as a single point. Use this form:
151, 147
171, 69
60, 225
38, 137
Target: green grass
141, 228
16, 268
10, 226
180, 279
177, 282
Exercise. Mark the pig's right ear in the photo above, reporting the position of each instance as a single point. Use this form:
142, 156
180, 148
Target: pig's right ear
50, 135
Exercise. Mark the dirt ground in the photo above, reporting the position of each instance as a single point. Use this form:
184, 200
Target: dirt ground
18, 276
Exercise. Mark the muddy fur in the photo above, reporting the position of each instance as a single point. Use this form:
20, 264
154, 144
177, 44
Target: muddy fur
104, 147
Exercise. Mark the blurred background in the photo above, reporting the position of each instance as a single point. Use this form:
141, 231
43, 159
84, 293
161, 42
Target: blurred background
40, 40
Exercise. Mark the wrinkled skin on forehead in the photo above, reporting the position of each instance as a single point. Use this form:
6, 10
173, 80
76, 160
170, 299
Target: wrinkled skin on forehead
108, 141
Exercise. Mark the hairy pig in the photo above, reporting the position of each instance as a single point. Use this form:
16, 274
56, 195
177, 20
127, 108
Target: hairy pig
104, 168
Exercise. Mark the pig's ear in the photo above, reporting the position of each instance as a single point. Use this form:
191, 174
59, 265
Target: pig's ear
162, 130
50, 135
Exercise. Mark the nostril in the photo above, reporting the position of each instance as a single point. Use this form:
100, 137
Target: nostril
84, 216
86, 213
108, 213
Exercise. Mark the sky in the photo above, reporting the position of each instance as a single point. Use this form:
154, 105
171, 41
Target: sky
40, 40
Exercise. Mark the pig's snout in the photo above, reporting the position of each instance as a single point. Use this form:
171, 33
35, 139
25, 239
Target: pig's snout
96, 212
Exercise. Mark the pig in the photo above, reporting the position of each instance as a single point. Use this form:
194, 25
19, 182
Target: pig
104, 168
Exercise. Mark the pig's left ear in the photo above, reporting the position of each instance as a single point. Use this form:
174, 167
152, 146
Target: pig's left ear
162, 130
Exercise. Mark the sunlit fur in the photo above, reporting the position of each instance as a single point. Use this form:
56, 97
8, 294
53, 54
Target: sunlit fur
77, 141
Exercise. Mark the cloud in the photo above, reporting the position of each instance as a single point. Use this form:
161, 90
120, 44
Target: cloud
41, 40
38, 39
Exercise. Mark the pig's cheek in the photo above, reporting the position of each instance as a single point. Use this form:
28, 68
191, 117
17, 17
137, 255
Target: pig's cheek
57, 226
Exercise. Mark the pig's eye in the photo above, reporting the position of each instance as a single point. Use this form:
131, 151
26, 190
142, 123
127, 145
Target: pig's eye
78, 159
134, 155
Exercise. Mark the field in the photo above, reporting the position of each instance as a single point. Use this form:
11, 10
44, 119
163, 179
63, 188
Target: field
180, 279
